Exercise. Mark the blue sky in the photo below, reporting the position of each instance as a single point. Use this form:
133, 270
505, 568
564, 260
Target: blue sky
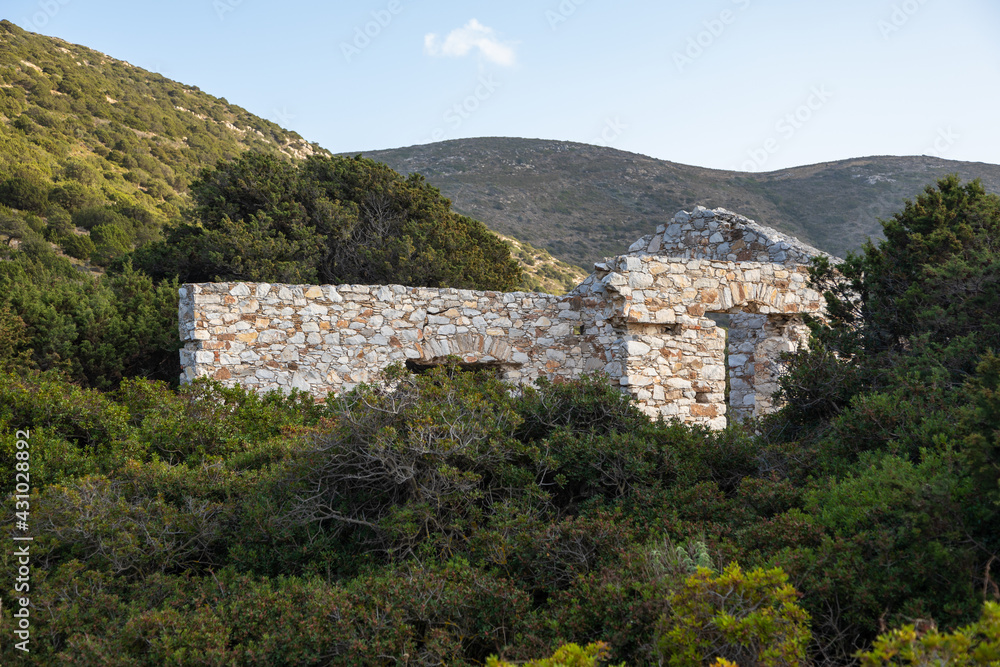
752, 85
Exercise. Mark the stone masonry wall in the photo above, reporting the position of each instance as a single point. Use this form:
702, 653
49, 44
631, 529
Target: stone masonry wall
640, 319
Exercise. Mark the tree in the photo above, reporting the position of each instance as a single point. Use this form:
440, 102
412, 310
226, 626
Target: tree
928, 294
936, 275
329, 219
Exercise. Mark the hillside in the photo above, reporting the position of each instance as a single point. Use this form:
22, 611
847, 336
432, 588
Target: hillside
585, 202
89, 144
69, 114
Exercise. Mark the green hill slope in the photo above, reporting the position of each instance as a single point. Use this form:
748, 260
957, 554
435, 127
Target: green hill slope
110, 132
585, 202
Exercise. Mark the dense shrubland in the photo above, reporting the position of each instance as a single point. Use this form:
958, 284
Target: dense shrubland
443, 519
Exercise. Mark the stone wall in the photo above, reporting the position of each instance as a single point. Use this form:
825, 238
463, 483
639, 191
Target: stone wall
325, 338
726, 236
639, 318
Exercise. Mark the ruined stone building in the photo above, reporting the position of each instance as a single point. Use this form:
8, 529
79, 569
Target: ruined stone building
640, 318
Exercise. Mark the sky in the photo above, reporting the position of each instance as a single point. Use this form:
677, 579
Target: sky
748, 85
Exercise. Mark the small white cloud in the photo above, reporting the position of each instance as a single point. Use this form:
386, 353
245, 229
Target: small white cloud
473, 35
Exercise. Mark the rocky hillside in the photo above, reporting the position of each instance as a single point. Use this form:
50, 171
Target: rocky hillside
585, 202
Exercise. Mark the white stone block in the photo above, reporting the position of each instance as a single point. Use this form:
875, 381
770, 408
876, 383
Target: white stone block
635, 348
640, 280
271, 336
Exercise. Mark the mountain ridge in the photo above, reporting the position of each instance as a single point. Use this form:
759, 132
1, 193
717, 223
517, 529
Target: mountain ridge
514, 186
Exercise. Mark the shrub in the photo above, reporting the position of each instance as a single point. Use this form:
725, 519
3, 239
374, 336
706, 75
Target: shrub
973, 645
73, 196
58, 221
411, 462
748, 618
77, 245
92, 216
28, 192
568, 655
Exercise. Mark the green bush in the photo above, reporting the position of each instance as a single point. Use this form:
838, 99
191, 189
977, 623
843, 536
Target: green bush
27, 192
93, 216
975, 644
77, 245
74, 196
110, 241
58, 222
750, 618
568, 655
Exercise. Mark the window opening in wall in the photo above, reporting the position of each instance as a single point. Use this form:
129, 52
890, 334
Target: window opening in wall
493, 369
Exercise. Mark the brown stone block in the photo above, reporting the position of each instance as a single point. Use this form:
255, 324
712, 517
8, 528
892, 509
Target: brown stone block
222, 374
696, 310
229, 300
704, 410
709, 295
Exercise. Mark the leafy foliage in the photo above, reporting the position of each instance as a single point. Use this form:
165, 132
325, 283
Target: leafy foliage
334, 220
975, 644
748, 618
568, 655
96, 330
